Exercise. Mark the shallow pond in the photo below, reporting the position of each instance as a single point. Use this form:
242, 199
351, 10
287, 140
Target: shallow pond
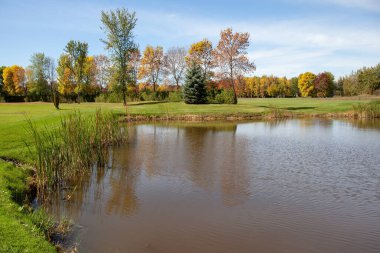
285, 186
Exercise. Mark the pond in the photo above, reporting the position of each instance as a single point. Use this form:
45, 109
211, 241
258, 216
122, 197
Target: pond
281, 186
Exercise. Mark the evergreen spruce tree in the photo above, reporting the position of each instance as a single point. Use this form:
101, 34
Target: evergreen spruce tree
194, 90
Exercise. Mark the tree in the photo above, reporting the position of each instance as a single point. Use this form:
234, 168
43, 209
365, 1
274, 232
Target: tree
76, 52
202, 53
38, 73
133, 66
350, 85
51, 78
306, 84
66, 80
324, 85
175, 63
91, 87
103, 70
151, 65
14, 81
118, 26
294, 90
232, 56
194, 90
369, 79
1, 79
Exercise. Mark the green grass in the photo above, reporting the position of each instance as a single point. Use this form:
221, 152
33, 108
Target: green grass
257, 105
18, 232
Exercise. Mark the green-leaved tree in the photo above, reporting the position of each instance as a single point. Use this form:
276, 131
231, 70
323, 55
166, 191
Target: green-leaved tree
194, 90
118, 26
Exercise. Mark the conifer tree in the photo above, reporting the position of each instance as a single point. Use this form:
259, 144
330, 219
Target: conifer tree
194, 90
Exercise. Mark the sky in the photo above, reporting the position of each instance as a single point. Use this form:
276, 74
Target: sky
287, 37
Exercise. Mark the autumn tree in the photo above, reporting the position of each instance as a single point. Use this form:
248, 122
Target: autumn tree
66, 79
14, 81
202, 53
151, 66
324, 85
306, 84
133, 66
194, 91
103, 70
1, 79
232, 57
76, 53
369, 79
91, 87
175, 63
118, 26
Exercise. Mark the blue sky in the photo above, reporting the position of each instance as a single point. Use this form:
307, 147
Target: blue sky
287, 37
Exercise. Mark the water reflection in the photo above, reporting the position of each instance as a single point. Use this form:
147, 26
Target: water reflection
228, 187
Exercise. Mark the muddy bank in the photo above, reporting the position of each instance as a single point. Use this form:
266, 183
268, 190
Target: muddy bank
238, 116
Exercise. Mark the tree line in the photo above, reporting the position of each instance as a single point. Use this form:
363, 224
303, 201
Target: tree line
155, 74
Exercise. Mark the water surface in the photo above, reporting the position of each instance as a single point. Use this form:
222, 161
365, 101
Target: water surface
288, 186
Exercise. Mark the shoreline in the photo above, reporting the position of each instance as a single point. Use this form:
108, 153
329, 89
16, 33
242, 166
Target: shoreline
239, 116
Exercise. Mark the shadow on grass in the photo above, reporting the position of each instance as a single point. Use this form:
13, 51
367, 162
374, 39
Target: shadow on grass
150, 103
291, 108
300, 108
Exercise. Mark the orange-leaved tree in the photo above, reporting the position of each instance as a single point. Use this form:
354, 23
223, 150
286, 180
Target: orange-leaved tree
232, 57
14, 80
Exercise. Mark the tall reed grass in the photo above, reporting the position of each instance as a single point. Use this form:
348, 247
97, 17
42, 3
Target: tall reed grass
70, 150
370, 110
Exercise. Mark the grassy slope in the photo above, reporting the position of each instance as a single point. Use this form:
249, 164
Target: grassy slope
17, 232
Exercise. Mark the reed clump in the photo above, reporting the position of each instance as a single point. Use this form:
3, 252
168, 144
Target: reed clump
73, 147
275, 112
370, 110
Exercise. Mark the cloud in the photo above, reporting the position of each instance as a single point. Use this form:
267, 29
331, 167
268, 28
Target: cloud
286, 47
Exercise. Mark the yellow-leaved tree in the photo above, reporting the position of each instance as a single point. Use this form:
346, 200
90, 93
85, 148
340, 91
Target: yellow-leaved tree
202, 54
151, 65
66, 79
14, 80
306, 84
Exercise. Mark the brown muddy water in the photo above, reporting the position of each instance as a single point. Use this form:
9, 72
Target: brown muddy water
288, 186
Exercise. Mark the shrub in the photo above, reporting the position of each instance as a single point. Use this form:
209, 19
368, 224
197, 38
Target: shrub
225, 97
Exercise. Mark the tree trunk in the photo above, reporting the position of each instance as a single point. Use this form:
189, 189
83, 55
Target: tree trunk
233, 88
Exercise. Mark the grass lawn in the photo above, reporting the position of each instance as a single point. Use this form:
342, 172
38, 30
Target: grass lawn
256, 105
17, 231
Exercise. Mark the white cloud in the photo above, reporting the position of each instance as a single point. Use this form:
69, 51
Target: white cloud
280, 48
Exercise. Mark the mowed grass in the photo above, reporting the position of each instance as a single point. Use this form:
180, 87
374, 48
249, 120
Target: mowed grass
247, 105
